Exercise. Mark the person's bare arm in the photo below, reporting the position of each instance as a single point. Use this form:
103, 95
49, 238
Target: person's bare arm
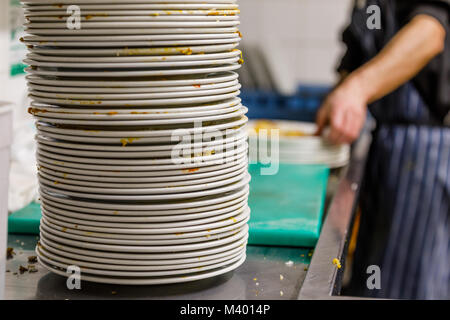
344, 110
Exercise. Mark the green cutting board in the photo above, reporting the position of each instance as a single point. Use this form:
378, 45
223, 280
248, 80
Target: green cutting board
287, 208
25, 220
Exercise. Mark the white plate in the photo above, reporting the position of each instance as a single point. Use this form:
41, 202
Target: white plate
168, 171
131, 44
139, 121
185, 80
199, 231
121, 114
139, 103
319, 155
169, 189
84, 17
231, 200
73, 260
116, 208
59, 255
229, 66
146, 249
332, 163
135, 59
138, 185
291, 142
230, 158
144, 217
167, 239
50, 246
152, 281
148, 197
236, 215
106, 2
173, 40
43, 40
139, 73
124, 239
59, 228
184, 156
171, 258
131, 24
142, 151
188, 149
128, 141
92, 181
100, 90
145, 132
143, 274
118, 184
140, 234
125, 52
154, 113
128, 31
131, 65
61, 14
137, 5
133, 96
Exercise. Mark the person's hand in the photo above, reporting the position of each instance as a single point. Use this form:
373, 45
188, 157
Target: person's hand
344, 111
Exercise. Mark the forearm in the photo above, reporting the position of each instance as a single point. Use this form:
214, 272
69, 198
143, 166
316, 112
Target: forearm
403, 57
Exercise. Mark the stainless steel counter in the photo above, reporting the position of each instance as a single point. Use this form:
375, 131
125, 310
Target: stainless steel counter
266, 274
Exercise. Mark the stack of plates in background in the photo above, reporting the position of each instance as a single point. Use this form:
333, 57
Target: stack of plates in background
113, 102
297, 144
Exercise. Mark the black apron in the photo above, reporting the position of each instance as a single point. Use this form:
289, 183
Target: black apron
405, 227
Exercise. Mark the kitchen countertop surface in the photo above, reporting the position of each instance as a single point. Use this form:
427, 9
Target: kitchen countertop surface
267, 273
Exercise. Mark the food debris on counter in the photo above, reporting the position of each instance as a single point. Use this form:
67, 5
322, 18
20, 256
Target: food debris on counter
32, 268
337, 263
32, 259
281, 293
281, 277
22, 269
10, 253
289, 263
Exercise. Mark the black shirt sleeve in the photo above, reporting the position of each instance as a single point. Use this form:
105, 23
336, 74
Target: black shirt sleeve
434, 8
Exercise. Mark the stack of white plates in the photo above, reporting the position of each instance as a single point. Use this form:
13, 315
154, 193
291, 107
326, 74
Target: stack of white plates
142, 139
297, 144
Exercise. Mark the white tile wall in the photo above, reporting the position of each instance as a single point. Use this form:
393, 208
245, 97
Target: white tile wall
303, 34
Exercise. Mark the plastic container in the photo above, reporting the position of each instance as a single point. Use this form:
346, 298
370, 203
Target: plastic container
5, 142
302, 106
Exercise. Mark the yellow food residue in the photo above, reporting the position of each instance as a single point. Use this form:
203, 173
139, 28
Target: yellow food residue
270, 125
187, 51
126, 141
337, 263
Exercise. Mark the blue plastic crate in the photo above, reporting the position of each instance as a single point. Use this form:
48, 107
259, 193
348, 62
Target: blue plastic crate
301, 106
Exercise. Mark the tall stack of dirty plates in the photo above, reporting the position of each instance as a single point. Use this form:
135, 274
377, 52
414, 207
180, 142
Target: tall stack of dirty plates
142, 149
